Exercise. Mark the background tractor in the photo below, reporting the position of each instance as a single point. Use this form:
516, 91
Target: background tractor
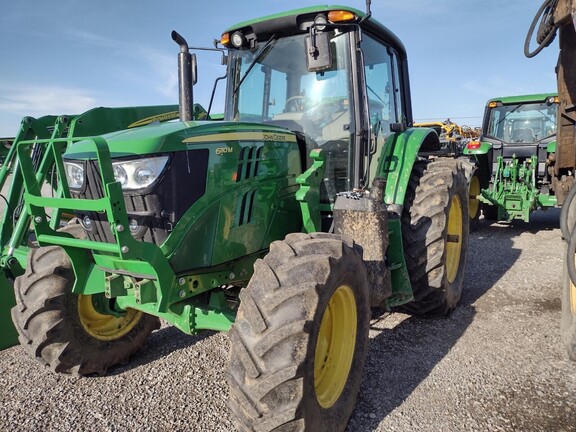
284, 222
560, 16
515, 156
452, 140
453, 137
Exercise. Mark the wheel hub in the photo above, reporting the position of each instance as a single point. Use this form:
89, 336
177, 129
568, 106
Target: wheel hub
105, 326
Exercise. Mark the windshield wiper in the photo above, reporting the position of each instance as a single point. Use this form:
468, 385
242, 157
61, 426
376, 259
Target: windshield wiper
552, 119
507, 114
255, 61
377, 96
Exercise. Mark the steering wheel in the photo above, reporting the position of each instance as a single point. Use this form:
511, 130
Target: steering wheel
298, 101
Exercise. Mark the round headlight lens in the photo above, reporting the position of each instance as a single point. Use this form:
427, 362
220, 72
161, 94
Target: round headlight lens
133, 225
120, 175
144, 175
238, 39
74, 174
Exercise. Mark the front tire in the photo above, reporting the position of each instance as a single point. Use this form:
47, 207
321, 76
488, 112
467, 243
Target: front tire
435, 228
67, 331
299, 341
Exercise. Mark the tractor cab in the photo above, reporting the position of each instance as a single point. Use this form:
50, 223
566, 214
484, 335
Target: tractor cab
521, 126
337, 85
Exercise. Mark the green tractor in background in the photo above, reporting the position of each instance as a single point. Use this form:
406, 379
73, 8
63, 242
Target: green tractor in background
515, 156
283, 223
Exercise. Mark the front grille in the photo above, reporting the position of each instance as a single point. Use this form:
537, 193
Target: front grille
152, 213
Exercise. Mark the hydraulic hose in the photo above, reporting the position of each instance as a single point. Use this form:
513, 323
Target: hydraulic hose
546, 29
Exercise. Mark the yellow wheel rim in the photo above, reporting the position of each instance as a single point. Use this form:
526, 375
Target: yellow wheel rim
103, 326
454, 238
473, 201
572, 293
335, 346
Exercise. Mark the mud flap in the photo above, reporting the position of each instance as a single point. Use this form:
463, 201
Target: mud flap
364, 218
8, 334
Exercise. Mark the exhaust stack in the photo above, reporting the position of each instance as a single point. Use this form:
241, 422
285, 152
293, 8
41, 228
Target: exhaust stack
185, 78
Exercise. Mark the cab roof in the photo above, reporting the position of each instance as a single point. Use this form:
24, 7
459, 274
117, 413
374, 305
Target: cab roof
299, 20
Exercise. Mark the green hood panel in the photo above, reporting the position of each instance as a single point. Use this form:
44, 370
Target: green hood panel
177, 136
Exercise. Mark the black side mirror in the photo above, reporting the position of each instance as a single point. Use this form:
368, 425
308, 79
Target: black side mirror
318, 52
397, 127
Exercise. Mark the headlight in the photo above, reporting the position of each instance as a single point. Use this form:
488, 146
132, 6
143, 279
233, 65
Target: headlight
140, 173
74, 174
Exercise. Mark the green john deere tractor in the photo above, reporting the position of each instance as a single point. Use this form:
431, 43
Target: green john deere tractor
283, 223
515, 157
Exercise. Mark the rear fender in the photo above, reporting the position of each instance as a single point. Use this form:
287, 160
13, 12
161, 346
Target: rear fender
395, 164
483, 157
484, 148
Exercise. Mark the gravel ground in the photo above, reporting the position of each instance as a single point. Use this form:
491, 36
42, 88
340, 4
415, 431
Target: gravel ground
496, 364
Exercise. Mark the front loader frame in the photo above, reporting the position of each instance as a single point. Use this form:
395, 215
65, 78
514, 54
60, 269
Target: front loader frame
15, 235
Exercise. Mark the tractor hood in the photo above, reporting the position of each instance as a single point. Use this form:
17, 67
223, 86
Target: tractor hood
167, 137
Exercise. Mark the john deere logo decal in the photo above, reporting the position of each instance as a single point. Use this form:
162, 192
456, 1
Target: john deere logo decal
156, 118
250, 136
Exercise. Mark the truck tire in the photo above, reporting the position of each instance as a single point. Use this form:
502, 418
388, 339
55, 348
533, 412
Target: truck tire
66, 331
298, 345
435, 234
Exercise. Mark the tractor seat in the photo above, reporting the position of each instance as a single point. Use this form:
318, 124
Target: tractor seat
523, 135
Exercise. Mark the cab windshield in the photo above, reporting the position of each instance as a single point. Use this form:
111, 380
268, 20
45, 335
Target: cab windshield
522, 123
272, 85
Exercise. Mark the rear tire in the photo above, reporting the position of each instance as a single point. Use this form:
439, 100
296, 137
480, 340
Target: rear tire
64, 330
299, 342
435, 229
474, 189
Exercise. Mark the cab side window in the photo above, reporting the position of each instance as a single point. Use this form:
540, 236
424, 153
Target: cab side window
383, 91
